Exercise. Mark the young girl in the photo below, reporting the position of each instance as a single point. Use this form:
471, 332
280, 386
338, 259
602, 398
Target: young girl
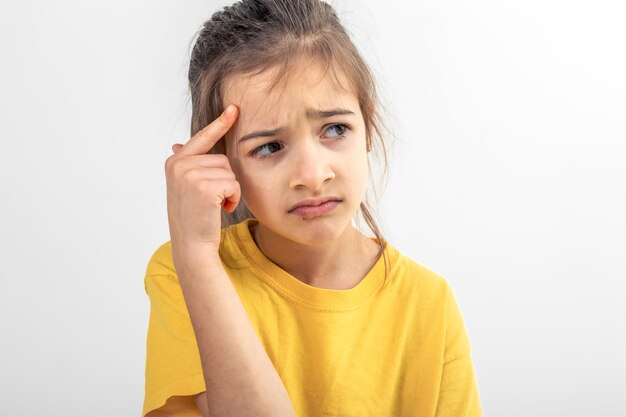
267, 301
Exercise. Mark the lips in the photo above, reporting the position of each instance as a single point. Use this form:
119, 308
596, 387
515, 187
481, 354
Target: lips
314, 207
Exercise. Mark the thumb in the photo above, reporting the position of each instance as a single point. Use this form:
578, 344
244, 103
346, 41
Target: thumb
176, 147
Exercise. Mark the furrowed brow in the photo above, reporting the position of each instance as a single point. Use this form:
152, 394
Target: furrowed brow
324, 114
310, 113
262, 134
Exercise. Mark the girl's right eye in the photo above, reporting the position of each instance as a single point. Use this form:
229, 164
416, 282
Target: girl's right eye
266, 150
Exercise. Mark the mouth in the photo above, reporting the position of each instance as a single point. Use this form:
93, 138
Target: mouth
315, 207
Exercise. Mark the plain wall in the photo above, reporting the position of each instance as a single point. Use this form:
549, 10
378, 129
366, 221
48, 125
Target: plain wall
507, 178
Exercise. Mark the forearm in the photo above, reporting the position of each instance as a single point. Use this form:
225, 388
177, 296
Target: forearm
240, 378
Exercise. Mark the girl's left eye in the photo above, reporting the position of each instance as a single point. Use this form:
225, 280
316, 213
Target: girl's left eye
338, 129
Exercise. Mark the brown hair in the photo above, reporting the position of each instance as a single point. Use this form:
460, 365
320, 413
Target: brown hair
251, 36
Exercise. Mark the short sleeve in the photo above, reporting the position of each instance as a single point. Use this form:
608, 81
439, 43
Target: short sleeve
173, 366
458, 393
457, 342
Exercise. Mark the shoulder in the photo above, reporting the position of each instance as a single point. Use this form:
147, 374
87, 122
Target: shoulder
420, 287
411, 274
161, 264
160, 267
425, 293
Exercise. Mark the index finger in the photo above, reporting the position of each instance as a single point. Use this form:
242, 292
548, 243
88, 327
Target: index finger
205, 139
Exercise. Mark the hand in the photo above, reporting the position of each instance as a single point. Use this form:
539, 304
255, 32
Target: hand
199, 185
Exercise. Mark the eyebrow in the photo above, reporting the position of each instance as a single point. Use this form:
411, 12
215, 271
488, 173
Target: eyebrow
310, 113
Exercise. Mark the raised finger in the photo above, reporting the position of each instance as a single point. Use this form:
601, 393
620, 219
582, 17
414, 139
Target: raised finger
204, 140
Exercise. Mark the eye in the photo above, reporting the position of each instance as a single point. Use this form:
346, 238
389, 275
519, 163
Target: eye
266, 150
338, 131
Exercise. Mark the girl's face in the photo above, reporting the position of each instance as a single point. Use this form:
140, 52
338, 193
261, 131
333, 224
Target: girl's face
301, 144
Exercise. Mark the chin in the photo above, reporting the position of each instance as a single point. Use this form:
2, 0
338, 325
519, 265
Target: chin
318, 231
315, 231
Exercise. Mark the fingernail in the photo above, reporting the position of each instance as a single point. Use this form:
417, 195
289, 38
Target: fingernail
230, 109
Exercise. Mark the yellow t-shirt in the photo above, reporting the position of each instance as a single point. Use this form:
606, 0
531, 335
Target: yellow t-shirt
394, 345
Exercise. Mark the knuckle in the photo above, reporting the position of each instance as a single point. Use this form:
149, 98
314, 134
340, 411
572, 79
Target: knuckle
197, 175
204, 187
178, 168
169, 164
191, 176
221, 159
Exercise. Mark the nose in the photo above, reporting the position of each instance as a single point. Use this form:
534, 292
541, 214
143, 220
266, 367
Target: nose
311, 166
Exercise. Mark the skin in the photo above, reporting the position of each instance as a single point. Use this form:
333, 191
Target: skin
239, 376
311, 157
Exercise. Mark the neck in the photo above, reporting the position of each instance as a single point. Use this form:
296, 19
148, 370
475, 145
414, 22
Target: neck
340, 264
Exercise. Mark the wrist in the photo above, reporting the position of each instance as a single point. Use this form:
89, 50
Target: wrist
195, 255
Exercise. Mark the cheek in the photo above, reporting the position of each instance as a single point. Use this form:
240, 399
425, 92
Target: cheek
360, 169
359, 162
241, 177
256, 190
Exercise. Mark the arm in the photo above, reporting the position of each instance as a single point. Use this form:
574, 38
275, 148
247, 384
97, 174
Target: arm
458, 392
239, 376
202, 403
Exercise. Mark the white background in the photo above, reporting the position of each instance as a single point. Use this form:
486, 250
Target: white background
507, 179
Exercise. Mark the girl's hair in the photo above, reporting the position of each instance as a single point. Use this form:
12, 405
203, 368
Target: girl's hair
252, 36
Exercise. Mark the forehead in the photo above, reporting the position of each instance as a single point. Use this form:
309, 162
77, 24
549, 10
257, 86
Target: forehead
265, 100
